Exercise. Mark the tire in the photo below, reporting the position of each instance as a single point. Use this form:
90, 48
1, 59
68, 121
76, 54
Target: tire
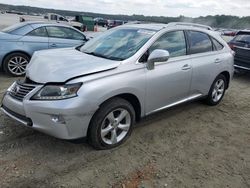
106, 131
217, 91
15, 64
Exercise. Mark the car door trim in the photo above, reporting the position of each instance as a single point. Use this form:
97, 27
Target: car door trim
176, 103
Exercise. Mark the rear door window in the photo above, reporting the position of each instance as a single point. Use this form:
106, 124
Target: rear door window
199, 42
39, 32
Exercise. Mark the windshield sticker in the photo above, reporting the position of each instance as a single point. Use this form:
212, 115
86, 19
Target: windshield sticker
146, 32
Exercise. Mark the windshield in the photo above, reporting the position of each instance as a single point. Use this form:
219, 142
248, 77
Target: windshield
242, 38
118, 44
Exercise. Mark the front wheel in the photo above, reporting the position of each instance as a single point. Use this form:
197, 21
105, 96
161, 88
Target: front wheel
112, 124
217, 91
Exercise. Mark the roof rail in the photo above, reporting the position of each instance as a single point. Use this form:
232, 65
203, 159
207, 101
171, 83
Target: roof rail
190, 24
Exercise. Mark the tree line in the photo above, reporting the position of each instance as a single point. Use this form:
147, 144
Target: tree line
218, 21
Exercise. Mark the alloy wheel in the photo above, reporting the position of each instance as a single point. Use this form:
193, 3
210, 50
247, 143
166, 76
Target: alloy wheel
17, 65
115, 126
218, 91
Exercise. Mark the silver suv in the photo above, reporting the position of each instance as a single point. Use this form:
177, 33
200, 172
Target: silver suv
101, 89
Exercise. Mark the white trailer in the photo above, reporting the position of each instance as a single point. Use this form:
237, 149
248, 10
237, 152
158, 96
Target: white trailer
51, 17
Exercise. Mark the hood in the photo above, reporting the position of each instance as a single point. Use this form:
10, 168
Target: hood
6, 36
60, 65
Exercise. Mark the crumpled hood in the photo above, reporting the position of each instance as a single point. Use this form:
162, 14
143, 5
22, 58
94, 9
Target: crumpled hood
60, 65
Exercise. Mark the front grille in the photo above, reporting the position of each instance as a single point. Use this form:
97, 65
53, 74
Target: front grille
21, 90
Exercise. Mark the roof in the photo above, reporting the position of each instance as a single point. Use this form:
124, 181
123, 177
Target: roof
158, 27
151, 26
244, 31
44, 23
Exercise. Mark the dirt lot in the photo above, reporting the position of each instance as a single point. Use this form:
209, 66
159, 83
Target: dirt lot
192, 145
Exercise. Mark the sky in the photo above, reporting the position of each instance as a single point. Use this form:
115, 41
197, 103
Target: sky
172, 8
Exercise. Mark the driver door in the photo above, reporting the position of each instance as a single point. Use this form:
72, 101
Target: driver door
63, 37
169, 82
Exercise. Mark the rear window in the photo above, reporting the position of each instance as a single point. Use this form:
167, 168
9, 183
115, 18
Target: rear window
18, 29
217, 45
199, 42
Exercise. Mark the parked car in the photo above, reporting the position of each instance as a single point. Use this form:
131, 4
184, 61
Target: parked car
114, 23
229, 32
100, 90
101, 21
20, 41
241, 45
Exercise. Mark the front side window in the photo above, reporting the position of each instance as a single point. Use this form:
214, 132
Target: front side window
72, 34
65, 33
174, 42
39, 32
118, 44
199, 42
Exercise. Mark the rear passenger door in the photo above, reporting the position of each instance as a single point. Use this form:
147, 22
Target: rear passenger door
205, 60
36, 40
62, 37
169, 82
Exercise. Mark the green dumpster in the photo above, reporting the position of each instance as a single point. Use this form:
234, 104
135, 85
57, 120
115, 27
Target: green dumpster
87, 21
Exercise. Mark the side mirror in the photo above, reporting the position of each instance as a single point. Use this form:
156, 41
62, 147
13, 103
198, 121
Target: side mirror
157, 56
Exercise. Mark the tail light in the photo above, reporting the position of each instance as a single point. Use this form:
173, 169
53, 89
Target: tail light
232, 46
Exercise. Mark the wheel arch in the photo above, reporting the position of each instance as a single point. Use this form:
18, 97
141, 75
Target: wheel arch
132, 99
227, 76
12, 52
2, 66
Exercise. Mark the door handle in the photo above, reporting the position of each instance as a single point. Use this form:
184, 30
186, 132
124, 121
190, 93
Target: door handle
186, 67
217, 61
53, 45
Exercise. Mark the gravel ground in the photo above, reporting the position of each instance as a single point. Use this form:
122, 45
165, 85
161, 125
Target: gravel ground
192, 145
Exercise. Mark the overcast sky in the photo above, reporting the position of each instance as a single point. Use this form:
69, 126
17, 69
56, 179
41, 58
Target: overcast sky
191, 8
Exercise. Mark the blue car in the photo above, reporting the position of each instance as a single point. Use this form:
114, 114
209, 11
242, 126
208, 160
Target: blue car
20, 41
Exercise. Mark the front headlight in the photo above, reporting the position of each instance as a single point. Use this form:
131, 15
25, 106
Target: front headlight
57, 92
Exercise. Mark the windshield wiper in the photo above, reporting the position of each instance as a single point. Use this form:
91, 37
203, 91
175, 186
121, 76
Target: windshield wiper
103, 56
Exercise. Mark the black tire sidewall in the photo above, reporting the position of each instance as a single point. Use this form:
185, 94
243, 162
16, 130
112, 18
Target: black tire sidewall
7, 59
94, 135
210, 100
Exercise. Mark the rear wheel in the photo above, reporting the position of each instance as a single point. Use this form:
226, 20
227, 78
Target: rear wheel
217, 91
15, 64
112, 124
